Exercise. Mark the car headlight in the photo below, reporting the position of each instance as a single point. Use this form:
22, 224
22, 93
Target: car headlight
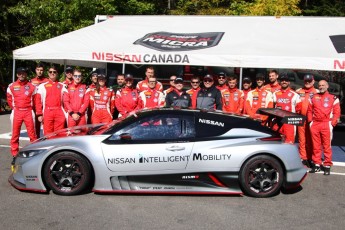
30, 153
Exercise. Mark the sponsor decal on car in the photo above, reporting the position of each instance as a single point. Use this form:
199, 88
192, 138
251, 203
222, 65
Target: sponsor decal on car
210, 157
167, 41
164, 159
294, 120
31, 178
211, 122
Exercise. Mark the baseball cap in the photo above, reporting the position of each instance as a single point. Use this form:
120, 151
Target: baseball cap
21, 69
178, 79
69, 69
208, 76
128, 76
260, 76
284, 76
308, 77
221, 74
247, 79
94, 72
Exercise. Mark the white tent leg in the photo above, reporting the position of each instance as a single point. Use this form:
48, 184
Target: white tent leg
240, 78
14, 70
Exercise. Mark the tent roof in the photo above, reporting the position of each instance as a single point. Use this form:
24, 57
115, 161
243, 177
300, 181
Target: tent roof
258, 42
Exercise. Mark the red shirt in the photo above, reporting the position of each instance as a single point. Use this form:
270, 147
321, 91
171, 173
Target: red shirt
76, 99
143, 85
21, 94
193, 95
232, 100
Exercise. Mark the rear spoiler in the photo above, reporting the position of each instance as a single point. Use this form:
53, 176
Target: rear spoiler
280, 117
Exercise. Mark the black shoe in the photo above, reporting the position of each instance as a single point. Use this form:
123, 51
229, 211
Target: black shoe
13, 161
307, 163
315, 168
327, 170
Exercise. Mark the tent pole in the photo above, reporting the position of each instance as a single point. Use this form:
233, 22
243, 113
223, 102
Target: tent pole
14, 70
240, 83
123, 68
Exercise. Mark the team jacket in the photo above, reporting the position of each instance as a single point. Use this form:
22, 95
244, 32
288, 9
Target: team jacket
324, 107
287, 100
272, 88
222, 87
151, 98
193, 95
104, 100
209, 99
165, 92
143, 85
258, 98
306, 95
36, 81
76, 98
127, 100
21, 95
49, 94
233, 100
178, 99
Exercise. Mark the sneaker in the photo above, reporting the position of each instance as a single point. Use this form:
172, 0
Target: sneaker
326, 170
315, 168
13, 161
307, 163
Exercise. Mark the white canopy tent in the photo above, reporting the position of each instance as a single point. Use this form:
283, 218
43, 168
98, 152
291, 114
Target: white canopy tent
256, 42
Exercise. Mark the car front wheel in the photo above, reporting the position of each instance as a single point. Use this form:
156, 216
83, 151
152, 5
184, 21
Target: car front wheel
261, 176
67, 173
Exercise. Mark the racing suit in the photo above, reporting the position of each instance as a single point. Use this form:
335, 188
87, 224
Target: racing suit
245, 94
304, 137
36, 81
222, 87
21, 98
258, 98
127, 100
76, 100
232, 100
151, 98
178, 99
143, 85
323, 114
49, 104
102, 104
67, 82
193, 94
165, 92
273, 87
288, 100
209, 99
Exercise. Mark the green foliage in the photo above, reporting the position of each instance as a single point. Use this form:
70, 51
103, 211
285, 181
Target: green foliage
323, 7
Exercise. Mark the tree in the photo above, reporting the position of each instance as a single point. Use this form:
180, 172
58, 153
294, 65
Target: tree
323, 7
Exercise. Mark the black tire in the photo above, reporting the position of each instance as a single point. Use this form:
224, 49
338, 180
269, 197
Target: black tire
261, 176
67, 173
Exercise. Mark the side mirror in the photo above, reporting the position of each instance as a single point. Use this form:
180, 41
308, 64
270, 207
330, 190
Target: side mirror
125, 137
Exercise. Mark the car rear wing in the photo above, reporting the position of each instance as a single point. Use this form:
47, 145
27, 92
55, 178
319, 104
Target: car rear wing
280, 117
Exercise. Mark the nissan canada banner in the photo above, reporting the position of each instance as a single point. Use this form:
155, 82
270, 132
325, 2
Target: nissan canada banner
166, 41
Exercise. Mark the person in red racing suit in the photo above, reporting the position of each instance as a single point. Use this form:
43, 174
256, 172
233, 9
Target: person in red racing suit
151, 98
288, 100
246, 88
36, 81
102, 102
21, 97
258, 98
144, 84
323, 114
274, 85
232, 98
193, 92
49, 103
76, 101
127, 98
304, 137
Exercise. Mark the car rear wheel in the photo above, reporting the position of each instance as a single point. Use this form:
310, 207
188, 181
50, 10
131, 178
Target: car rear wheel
67, 173
261, 176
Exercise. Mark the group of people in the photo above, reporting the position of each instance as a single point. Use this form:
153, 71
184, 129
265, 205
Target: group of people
70, 103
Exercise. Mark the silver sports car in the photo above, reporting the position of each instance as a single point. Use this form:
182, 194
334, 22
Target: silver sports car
170, 151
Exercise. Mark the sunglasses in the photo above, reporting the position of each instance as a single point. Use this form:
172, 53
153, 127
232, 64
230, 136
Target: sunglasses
195, 82
77, 76
172, 79
52, 71
221, 77
208, 80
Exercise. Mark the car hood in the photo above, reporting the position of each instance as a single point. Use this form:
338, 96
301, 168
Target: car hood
76, 131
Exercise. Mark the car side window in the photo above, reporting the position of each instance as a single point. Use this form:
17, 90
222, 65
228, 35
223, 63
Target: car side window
160, 127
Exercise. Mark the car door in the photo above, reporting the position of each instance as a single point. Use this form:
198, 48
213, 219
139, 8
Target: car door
160, 142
